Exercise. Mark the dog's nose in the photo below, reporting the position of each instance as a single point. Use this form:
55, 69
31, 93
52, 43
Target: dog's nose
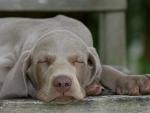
62, 83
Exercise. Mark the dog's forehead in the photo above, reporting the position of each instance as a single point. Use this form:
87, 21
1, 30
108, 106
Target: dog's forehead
60, 43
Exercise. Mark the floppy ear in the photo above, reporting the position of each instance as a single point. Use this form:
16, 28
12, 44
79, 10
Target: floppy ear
95, 65
32, 81
15, 84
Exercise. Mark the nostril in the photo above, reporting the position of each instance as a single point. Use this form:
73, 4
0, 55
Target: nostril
59, 85
67, 84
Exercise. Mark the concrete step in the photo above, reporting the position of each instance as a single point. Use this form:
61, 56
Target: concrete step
99, 104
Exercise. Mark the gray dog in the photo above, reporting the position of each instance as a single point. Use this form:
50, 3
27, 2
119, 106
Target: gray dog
54, 59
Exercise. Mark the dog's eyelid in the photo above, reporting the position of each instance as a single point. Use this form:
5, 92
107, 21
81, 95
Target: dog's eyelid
75, 58
47, 59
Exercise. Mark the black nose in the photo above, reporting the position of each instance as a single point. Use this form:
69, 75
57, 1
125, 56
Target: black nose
62, 83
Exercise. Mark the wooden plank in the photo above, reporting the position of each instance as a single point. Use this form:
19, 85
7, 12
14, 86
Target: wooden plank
99, 104
62, 5
112, 40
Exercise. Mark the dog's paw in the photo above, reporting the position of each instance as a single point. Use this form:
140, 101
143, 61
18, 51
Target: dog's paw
134, 85
94, 89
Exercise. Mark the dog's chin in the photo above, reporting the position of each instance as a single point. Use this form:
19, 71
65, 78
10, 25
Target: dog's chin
64, 99
57, 98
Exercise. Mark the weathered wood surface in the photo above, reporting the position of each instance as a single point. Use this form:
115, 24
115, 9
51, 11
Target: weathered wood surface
62, 5
103, 104
112, 33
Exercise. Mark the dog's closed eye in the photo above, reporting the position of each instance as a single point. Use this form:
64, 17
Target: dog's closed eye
46, 60
74, 60
43, 61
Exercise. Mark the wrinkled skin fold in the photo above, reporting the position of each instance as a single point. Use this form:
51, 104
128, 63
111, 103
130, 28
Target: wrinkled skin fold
54, 60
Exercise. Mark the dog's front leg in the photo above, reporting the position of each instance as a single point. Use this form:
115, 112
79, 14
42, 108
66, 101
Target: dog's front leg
122, 83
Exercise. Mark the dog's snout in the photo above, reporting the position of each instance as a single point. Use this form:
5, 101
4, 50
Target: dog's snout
62, 83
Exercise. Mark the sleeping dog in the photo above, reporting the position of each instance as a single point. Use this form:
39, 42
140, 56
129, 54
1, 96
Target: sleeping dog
54, 60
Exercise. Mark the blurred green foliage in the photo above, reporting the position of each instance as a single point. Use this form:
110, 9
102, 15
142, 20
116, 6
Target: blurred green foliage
135, 20
138, 28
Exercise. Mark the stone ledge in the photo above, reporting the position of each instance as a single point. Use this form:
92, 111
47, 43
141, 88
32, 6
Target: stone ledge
99, 104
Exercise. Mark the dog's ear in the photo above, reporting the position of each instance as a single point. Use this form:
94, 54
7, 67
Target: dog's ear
95, 65
15, 84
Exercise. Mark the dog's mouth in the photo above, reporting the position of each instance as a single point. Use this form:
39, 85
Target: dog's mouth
57, 98
64, 99
61, 95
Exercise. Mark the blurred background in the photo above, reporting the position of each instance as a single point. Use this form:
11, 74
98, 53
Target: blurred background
137, 23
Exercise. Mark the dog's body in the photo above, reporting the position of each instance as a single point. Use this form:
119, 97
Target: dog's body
54, 59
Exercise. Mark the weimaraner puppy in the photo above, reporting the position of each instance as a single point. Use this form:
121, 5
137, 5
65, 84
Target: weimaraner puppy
54, 60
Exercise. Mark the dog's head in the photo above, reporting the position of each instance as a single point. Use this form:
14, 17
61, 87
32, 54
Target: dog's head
62, 67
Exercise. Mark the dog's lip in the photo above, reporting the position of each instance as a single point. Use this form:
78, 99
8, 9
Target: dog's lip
63, 99
57, 98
